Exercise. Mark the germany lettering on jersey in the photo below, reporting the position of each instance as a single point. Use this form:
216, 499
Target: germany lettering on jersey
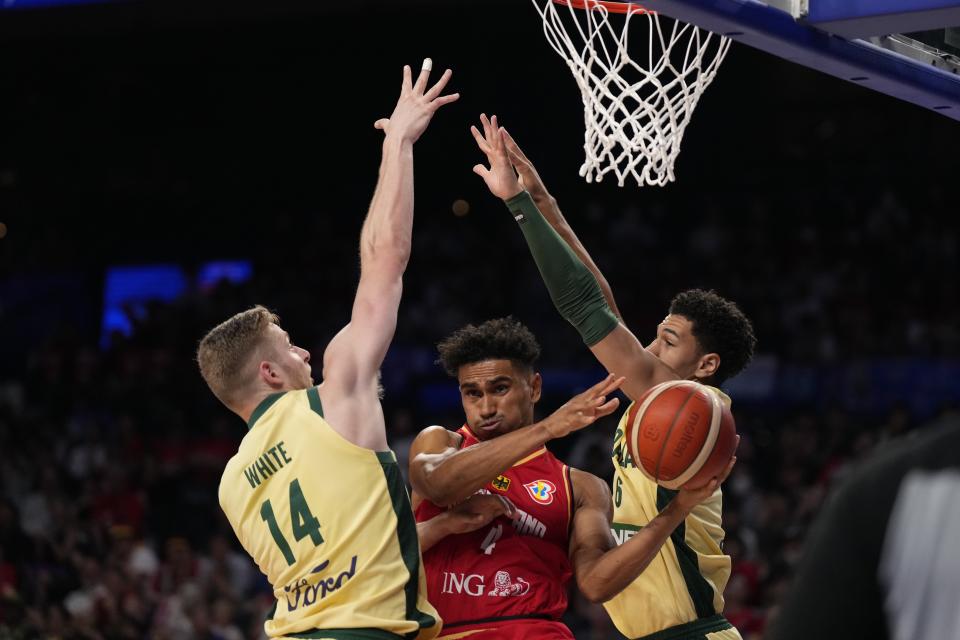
510, 569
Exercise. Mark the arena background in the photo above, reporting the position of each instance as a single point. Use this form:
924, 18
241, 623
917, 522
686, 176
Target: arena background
163, 165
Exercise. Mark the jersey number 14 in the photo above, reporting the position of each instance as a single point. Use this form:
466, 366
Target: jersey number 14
302, 521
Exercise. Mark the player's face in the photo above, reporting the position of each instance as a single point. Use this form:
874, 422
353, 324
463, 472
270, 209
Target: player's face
497, 396
292, 361
677, 347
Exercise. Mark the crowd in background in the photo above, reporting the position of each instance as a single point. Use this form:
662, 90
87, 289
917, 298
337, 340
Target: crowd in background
109, 521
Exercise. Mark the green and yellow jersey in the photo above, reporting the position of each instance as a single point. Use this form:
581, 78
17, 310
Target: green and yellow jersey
329, 523
680, 594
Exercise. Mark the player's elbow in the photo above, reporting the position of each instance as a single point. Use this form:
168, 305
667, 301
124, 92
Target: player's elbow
438, 493
596, 591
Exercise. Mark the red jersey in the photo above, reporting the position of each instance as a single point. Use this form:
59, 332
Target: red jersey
514, 571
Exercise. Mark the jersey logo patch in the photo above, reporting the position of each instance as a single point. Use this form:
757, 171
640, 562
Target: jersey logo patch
503, 585
502, 483
542, 491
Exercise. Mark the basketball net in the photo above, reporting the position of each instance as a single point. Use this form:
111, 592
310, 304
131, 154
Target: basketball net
636, 109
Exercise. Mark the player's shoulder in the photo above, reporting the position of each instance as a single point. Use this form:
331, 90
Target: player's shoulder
588, 488
436, 438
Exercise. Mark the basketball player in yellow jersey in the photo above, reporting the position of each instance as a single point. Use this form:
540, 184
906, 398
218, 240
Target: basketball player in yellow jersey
704, 338
314, 493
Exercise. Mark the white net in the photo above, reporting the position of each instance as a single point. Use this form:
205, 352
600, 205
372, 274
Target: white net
637, 108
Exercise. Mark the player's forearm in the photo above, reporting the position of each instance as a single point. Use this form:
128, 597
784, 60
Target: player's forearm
386, 236
550, 209
450, 479
573, 287
611, 572
432, 531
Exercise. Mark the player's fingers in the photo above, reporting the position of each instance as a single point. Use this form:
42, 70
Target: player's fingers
481, 141
597, 389
381, 123
421, 83
727, 470
437, 88
481, 170
607, 408
512, 146
407, 83
442, 100
497, 138
487, 132
609, 384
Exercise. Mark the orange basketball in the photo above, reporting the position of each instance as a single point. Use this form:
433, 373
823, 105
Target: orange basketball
680, 432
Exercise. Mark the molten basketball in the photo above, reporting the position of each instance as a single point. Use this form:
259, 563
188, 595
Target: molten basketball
680, 432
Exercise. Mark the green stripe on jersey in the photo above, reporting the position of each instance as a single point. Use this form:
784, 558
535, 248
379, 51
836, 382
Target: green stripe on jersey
697, 586
407, 536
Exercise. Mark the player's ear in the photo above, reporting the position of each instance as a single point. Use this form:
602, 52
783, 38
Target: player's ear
536, 386
269, 373
707, 366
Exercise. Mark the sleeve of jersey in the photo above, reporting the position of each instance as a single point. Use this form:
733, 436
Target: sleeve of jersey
573, 288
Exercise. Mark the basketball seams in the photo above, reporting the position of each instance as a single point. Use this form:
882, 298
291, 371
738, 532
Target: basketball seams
666, 437
633, 444
707, 449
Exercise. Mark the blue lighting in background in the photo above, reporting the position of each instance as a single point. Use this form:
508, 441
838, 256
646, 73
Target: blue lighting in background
128, 289
235, 272
42, 4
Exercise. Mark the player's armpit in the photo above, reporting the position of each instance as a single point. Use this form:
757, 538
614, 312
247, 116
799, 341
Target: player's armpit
621, 351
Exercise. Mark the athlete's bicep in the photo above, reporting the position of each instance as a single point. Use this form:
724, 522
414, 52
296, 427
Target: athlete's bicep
590, 535
622, 353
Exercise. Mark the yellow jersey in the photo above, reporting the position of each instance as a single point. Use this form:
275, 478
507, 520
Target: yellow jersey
682, 588
329, 523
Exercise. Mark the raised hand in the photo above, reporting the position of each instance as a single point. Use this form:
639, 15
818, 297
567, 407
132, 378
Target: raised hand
416, 105
688, 497
585, 409
479, 510
501, 179
529, 178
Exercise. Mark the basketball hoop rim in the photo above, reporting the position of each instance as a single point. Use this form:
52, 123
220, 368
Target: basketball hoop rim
609, 5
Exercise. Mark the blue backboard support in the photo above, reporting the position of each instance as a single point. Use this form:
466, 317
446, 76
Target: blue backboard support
865, 18
862, 62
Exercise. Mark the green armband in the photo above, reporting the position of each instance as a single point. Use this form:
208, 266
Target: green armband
573, 288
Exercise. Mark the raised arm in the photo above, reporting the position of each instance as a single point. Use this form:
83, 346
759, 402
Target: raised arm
352, 359
446, 475
572, 283
601, 568
531, 181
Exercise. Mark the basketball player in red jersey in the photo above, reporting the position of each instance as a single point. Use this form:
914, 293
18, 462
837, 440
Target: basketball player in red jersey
503, 524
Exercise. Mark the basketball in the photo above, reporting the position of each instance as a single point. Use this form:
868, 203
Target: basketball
680, 433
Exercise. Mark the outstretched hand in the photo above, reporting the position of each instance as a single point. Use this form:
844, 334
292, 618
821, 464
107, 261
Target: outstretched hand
586, 408
501, 179
416, 105
529, 178
688, 497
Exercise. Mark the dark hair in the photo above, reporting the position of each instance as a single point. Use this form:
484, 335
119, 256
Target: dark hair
719, 327
499, 339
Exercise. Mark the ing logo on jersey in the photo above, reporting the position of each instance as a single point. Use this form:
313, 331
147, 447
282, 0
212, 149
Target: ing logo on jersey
541, 490
502, 483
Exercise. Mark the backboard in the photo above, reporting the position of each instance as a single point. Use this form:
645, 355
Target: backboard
909, 49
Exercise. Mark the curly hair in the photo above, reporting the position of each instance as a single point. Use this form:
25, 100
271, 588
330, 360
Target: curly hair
498, 339
720, 327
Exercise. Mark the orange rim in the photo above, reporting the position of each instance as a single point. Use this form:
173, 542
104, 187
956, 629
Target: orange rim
612, 7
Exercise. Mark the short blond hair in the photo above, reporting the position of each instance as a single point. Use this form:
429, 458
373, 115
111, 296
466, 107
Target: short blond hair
225, 353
